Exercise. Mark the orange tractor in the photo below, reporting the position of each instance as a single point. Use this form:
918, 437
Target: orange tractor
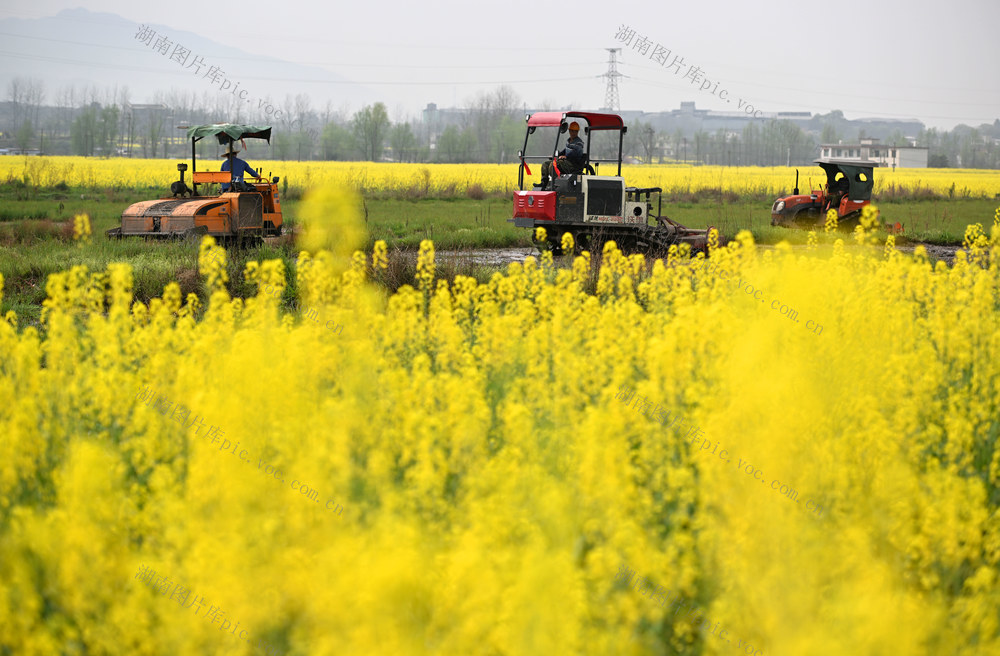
247, 211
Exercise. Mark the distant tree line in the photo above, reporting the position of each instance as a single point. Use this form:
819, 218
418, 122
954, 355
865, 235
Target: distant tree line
106, 123
774, 143
778, 143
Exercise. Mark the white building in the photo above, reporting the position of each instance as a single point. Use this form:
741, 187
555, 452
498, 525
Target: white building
884, 154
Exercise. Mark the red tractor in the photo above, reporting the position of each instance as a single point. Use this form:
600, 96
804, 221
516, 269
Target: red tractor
847, 190
593, 208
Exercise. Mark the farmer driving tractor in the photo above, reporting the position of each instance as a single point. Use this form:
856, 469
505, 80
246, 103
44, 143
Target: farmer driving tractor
837, 192
571, 158
239, 166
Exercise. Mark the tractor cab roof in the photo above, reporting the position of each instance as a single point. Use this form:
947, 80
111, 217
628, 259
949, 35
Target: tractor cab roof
856, 163
227, 132
595, 120
858, 173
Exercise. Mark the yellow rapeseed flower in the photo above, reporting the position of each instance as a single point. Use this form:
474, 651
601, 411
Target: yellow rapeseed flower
830, 225
466, 466
81, 228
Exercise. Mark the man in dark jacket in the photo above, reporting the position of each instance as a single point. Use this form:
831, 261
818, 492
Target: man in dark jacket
571, 157
239, 166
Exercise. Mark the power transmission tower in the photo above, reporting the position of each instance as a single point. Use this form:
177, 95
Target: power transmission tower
611, 93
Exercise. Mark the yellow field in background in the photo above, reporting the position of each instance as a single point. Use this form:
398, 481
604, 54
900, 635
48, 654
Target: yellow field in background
444, 179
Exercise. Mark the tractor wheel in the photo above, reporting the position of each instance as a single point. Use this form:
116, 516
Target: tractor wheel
849, 221
627, 245
596, 241
807, 218
555, 245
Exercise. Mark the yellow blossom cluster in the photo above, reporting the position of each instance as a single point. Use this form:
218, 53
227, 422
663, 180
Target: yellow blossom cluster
492, 484
448, 179
81, 228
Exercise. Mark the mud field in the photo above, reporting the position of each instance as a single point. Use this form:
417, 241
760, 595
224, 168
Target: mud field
500, 257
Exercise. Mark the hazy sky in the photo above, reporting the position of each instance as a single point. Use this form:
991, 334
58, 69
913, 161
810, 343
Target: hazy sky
937, 62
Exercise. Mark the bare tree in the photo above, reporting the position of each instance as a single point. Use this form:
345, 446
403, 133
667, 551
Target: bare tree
304, 137
483, 123
34, 94
26, 96
16, 93
505, 100
91, 95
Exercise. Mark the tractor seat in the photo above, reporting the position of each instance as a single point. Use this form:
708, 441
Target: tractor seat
583, 166
566, 183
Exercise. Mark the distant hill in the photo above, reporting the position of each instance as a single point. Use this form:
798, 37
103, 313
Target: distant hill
93, 49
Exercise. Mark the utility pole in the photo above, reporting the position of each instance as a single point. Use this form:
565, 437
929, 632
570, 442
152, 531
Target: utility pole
611, 91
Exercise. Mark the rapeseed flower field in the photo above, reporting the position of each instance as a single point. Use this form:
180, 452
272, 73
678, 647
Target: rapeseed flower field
448, 179
499, 494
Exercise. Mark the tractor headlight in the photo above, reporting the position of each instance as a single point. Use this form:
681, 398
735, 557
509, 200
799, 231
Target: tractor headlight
780, 205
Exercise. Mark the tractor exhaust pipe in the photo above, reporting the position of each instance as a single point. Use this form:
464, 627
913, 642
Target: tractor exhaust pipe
795, 192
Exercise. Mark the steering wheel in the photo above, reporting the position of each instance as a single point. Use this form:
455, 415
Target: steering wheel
589, 170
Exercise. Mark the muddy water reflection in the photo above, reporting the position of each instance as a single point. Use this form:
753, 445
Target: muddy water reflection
501, 257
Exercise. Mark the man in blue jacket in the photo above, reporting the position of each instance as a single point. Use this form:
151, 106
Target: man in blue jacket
239, 166
570, 158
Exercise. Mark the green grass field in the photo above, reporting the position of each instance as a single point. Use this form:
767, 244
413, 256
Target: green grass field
36, 234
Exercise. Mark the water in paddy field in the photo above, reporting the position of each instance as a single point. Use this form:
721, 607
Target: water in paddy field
488, 256
499, 257
503, 256
934, 251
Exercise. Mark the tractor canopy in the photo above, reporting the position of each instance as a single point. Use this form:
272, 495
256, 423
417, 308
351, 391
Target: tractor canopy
226, 132
857, 172
595, 120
